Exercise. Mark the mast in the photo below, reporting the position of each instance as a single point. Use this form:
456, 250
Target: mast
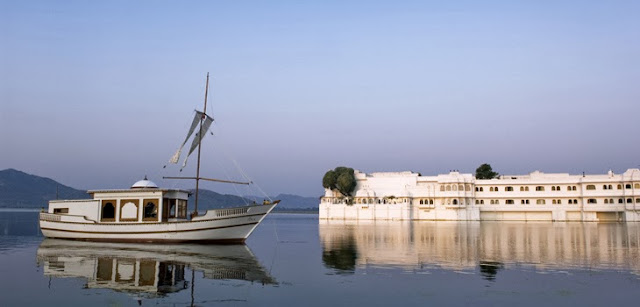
204, 111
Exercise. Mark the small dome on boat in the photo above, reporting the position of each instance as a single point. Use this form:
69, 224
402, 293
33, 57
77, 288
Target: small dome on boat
144, 184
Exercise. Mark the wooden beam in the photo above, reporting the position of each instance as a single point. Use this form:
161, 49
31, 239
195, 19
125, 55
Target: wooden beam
209, 179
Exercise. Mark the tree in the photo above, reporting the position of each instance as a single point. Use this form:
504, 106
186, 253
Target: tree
485, 171
341, 179
329, 180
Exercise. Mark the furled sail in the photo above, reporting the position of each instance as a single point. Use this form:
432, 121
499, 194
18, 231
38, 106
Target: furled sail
194, 123
197, 139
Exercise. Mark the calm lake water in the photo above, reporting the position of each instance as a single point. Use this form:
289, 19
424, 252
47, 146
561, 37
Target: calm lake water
295, 260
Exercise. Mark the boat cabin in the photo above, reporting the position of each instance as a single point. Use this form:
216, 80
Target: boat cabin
144, 202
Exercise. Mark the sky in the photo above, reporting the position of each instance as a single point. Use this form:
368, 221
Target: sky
99, 94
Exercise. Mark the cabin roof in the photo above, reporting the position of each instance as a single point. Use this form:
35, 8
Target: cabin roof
135, 190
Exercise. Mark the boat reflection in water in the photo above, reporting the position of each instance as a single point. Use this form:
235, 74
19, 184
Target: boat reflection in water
147, 270
486, 247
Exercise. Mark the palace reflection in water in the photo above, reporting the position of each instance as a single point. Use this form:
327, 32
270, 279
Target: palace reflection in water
483, 246
146, 270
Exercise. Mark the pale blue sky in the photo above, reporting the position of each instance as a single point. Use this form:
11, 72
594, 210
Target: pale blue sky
97, 94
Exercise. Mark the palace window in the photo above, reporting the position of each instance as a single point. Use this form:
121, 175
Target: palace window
508, 189
636, 186
610, 187
524, 189
455, 201
454, 187
441, 188
570, 201
524, 202
540, 202
509, 201
448, 187
482, 201
467, 187
604, 187
611, 201
539, 188
606, 201
460, 188
620, 201
575, 201
559, 201
592, 201
637, 200
477, 202
629, 200
479, 189
619, 187
627, 186
553, 188
553, 202
591, 187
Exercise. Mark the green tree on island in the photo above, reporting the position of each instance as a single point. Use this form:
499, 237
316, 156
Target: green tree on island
341, 179
485, 171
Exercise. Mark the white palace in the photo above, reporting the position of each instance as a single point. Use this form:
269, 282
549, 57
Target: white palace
456, 196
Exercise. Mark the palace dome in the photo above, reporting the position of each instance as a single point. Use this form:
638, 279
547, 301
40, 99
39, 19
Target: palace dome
144, 184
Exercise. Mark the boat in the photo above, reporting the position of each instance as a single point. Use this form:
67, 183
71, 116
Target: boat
146, 213
148, 270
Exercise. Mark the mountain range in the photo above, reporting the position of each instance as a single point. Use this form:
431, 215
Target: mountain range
22, 190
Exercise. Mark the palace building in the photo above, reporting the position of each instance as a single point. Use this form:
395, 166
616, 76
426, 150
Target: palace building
456, 196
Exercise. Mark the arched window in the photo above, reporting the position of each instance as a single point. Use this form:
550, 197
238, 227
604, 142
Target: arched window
557, 188
570, 201
540, 202
553, 202
619, 187
627, 186
454, 187
620, 201
477, 202
495, 189
629, 200
150, 210
553, 188
441, 188
108, 210
591, 187
611, 200
604, 187
636, 186
467, 187
539, 188
526, 189
460, 187
569, 188
490, 189
637, 200
610, 187
482, 201
508, 189
431, 202
606, 201
559, 201
509, 202
592, 201
521, 189
455, 201
448, 187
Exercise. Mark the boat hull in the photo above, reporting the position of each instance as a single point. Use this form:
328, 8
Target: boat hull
221, 226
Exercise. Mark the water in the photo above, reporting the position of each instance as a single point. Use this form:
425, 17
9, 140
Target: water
293, 259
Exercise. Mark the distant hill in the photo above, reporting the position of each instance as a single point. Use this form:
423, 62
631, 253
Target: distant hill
22, 190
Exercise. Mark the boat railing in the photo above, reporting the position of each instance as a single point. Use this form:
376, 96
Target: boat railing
231, 211
53, 217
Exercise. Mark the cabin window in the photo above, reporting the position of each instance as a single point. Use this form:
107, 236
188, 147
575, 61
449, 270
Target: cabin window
150, 210
61, 210
539, 188
591, 187
129, 209
108, 210
182, 208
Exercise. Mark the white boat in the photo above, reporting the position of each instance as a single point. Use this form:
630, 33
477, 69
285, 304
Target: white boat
146, 213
